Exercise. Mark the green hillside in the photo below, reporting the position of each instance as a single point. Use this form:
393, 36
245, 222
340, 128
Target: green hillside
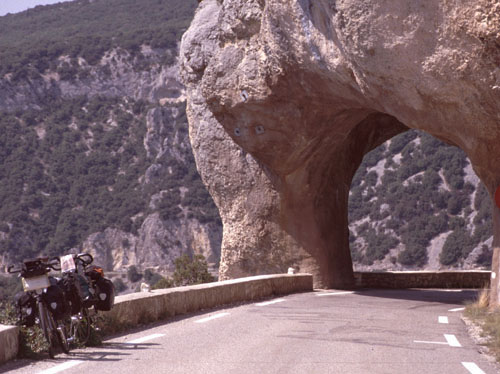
409, 191
31, 41
73, 166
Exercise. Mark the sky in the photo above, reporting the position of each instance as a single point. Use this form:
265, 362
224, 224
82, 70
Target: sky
15, 6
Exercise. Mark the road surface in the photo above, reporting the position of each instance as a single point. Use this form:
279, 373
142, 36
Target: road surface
367, 331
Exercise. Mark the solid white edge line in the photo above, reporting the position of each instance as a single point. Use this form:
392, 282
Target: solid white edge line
334, 293
456, 310
145, 339
452, 340
61, 367
443, 319
473, 368
215, 316
270, 302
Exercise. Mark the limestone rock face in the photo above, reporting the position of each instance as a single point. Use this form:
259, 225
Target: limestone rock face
285, 98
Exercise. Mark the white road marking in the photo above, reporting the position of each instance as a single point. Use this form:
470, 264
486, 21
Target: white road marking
428, 342
452, 340
334, 293
473, 368
456, 310
145, 339
215, 316
443, 319
61, 367
270, 302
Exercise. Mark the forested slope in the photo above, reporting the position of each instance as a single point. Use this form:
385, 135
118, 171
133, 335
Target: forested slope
94, 152
415, 202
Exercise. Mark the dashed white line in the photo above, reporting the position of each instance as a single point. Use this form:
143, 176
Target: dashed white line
452, 340
145, 339
61, 367
443, 319
473, 368
275, 301
215, 316
456, 310
334, 293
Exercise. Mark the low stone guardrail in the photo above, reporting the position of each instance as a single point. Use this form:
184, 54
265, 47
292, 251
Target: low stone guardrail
423, 279
143, 307
9, 342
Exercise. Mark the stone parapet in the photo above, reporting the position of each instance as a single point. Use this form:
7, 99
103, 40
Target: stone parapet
9, 342
423, 279
156, 305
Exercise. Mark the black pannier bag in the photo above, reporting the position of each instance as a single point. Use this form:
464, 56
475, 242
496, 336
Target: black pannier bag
86, 291
26, 305
105, 292
56, 301
72, 293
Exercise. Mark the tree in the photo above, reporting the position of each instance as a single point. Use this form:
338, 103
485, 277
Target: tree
191, 270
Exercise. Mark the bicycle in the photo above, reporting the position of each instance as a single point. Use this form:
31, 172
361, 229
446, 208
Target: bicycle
40, 289
81, 294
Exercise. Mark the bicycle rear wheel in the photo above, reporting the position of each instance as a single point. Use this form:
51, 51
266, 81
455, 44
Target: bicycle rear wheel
81, 326
63, 336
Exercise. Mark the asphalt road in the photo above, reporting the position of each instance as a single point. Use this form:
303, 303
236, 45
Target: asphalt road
370, 331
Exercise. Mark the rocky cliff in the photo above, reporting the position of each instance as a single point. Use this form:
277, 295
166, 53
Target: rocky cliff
285, 99
100, 150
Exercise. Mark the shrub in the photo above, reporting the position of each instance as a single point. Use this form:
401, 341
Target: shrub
120, 286
191, 270
133, 275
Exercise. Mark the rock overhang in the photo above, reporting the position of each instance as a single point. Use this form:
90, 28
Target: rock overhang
307, 88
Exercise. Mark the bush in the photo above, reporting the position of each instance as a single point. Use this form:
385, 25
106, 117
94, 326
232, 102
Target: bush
120, 286
133, 275
163, 283
191, 270
457, 246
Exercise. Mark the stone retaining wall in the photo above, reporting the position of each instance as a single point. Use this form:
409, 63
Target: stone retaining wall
423, 279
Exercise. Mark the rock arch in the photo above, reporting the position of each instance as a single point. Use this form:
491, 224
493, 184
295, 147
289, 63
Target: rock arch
285, 98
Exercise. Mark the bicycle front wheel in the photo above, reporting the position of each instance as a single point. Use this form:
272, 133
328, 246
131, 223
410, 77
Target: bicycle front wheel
47, 327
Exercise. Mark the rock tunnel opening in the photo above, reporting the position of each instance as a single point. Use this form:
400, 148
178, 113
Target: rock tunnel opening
416, 203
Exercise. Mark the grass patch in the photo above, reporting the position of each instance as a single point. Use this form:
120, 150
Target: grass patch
488, 320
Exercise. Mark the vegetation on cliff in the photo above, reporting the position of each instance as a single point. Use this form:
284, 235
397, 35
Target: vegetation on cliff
78, 167
410, 191
73, 166
88, 29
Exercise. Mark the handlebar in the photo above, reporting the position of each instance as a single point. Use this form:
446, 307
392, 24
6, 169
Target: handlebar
85, 258
36, 265
11, 269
